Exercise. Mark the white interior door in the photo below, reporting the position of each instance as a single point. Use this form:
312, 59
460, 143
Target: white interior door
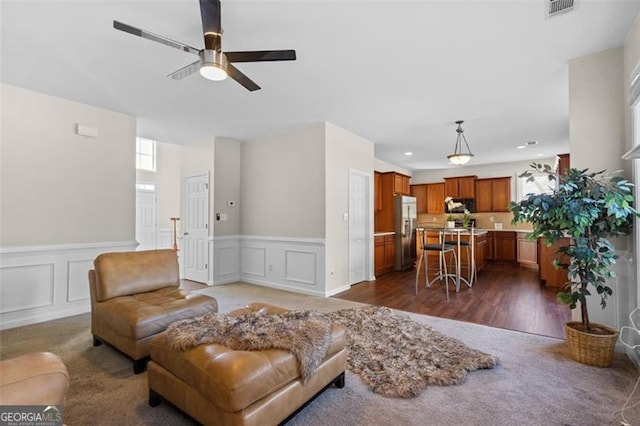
358, 225
146, 219
196, 229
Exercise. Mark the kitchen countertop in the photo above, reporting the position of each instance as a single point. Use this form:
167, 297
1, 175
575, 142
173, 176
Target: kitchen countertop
528, 231
382, 233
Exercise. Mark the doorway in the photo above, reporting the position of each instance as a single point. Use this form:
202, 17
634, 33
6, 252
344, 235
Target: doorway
146, 216
360, 229
196, 228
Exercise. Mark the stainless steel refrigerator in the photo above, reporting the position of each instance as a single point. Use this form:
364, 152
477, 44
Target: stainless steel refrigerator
405, 216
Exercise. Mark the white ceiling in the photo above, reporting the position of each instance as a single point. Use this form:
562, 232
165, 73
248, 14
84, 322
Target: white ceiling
398, 73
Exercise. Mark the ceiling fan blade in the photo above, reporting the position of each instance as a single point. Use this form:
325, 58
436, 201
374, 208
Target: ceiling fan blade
185, 71
238, 76
261, 55
154, 37
211, 27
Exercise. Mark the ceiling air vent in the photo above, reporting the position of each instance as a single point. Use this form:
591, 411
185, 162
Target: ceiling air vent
557, 7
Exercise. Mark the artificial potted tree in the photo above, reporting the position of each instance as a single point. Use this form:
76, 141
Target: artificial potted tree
588, 208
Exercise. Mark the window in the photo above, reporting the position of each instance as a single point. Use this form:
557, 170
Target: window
540, 185
146, 187
146, 154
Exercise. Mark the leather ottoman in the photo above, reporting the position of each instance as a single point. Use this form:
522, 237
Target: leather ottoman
217, 385
34, 379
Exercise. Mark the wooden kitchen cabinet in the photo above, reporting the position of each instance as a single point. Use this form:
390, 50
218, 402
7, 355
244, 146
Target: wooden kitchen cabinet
377, 191
546, 271
460, 187
397, 183
481, 251
391, 183
420, 192
384, 254
493, 194
500, 194
505, 248
527, 251
489, 249
435, 198
564, 163
401, 184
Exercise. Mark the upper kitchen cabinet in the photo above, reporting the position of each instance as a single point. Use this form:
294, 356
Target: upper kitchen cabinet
420, 192
460, 187
390, 184
377, 191
400, 183
564, 163
435, 198
493, 194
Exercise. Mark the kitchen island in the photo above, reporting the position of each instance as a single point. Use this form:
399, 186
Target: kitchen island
480, 247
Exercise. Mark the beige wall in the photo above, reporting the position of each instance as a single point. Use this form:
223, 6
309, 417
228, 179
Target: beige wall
344, 151
596, 111
383, 166
58, 187
226, 186
283, 186
631, 59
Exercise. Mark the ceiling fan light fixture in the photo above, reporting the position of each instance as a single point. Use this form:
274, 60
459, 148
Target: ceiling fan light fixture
460, 157
214, 65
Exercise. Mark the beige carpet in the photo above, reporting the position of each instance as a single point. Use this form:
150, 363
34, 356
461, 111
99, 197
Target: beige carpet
536, 385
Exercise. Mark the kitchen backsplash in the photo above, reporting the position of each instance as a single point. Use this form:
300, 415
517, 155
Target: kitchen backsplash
483, 220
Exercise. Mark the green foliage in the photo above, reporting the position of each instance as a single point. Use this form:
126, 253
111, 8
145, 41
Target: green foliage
589, 208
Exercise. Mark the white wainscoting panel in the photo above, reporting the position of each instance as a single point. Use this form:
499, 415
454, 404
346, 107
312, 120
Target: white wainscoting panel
254, 261
41, 283
226, 259
293, 264
24, 287
300, 266
77, 279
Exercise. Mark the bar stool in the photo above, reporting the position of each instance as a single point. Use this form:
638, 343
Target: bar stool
471, 258
442, 249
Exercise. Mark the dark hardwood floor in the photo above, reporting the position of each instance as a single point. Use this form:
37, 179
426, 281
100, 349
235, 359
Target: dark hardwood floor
504, 296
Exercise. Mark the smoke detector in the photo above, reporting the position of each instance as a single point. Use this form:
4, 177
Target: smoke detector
557, 7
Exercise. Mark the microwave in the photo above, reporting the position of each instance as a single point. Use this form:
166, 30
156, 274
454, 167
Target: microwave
459, 205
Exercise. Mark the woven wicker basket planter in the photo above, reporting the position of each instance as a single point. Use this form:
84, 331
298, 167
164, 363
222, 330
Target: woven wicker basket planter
591, 348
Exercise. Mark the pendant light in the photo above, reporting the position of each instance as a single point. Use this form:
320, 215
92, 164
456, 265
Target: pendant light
459, 157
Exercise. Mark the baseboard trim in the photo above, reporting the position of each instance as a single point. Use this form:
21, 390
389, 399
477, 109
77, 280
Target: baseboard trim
278, 286
45, 317
337, 290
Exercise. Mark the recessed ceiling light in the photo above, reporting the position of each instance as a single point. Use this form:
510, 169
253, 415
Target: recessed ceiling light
408, 153
521, 147
540, 155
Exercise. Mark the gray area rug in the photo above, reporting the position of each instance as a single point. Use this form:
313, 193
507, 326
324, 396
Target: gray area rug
537, 383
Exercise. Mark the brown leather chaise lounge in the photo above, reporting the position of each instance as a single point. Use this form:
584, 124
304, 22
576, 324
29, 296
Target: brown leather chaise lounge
135, 296
219, 386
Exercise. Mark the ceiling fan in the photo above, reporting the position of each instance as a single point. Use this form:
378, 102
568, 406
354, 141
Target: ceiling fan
214, 64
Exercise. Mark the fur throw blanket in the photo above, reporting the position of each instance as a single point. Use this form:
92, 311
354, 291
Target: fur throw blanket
398, 357
302, 333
